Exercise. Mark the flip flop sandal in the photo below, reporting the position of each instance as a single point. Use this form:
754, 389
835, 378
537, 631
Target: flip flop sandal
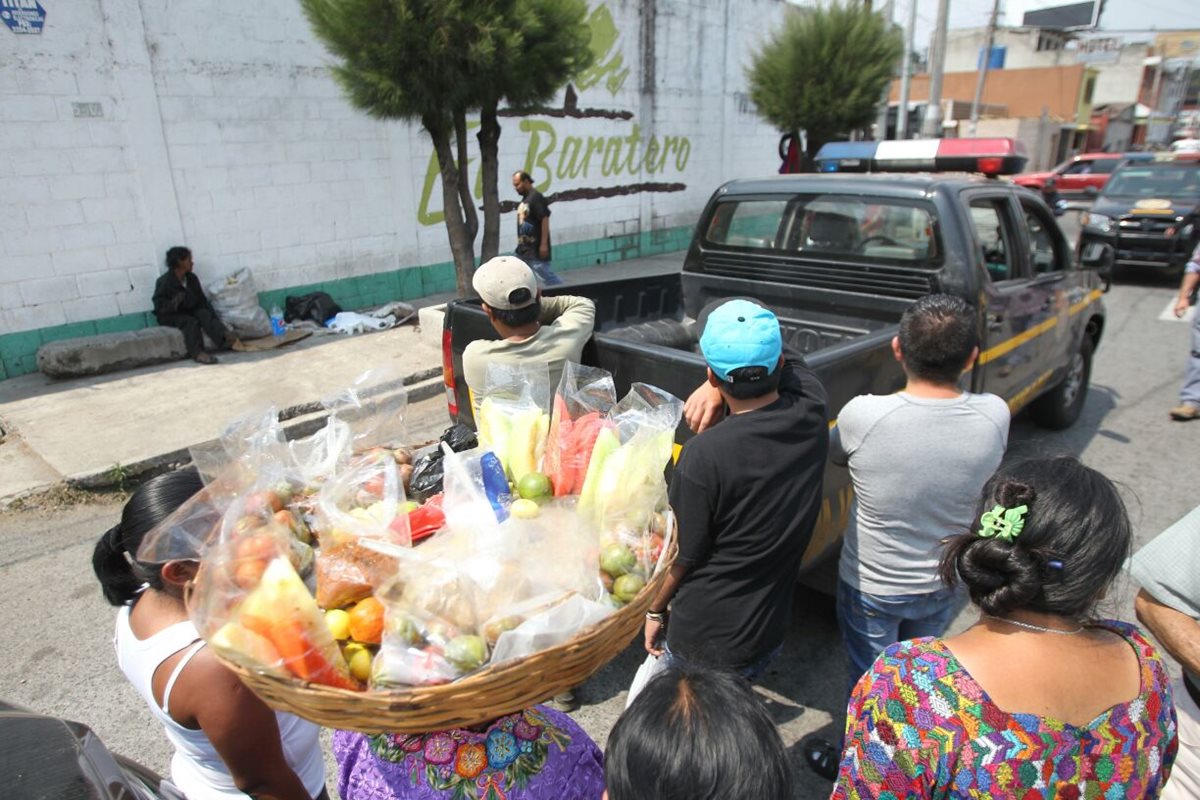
822, 757
206, 358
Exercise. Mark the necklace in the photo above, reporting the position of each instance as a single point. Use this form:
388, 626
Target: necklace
1030, 626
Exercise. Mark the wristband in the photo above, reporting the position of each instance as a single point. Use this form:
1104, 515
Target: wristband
657, 616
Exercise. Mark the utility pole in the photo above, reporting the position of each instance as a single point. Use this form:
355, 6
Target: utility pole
905, 70
881, 121
931, 125
983, 68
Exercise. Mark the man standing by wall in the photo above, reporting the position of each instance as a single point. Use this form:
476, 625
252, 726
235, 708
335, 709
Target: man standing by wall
1189, 395
747, 493
1168, 570
533, 230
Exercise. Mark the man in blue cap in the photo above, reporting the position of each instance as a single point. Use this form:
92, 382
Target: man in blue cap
746, 492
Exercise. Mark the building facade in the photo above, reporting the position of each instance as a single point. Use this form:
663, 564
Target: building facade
136, 125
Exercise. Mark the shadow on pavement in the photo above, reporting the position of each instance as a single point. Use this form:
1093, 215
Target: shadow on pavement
1026, 439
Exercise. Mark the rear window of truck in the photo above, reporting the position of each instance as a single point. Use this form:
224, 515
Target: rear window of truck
829, 226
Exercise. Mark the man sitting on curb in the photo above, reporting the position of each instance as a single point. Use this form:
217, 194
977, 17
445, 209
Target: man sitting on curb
918, 460
180, 302
531, 327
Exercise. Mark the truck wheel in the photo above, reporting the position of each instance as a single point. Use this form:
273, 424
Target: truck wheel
1059, 408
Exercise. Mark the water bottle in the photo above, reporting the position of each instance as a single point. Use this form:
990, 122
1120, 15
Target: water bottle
277, 321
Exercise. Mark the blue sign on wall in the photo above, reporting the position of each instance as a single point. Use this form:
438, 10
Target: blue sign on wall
23, 16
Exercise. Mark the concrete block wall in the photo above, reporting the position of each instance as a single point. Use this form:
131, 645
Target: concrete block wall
135, 125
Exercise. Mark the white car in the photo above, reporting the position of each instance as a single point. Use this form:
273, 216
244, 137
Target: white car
1185, 146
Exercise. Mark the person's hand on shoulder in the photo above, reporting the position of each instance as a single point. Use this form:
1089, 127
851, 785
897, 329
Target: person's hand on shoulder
704, 408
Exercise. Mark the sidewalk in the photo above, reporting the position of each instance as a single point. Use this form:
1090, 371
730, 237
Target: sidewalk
92, 432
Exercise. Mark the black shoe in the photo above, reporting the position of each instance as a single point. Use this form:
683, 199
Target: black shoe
822, 757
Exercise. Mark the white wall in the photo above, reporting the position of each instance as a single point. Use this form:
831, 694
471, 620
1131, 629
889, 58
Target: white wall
221, 129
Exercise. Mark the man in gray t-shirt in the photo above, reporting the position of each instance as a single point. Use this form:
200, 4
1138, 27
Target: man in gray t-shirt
918, 460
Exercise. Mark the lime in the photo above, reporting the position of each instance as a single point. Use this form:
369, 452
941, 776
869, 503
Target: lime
534, 486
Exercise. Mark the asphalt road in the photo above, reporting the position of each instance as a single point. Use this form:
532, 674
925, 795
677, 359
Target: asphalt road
55, 630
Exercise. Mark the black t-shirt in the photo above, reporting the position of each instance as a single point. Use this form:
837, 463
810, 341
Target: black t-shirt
532, 209
747, 493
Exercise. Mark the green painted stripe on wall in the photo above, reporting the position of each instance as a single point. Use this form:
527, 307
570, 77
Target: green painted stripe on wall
18, 351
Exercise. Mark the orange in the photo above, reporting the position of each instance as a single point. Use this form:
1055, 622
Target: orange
366, 621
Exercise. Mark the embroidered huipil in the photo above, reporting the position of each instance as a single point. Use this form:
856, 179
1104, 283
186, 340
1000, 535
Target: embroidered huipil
919, 726
537, 754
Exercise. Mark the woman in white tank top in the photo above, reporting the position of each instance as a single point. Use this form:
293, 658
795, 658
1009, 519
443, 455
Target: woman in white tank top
228, 743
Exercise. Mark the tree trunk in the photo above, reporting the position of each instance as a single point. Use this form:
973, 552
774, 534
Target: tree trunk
470, 217
461, 245
489, 165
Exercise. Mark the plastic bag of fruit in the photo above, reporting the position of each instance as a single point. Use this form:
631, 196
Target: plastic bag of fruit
431, 624
476, 488
249, 445
513, 418
366, 499
625, 476
374, 406
582, 402
250, 603
540, 624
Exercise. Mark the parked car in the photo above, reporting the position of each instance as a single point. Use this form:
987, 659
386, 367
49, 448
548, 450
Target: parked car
839, 258
43, 757
1149, 213
1082, 176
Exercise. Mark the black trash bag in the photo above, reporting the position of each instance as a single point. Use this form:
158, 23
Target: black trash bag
428, 469
316, 307
426, 478
460, 437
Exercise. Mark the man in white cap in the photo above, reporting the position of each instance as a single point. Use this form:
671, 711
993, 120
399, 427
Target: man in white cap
531, 327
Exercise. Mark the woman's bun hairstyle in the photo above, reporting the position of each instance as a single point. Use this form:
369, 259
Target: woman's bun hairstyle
1075, 538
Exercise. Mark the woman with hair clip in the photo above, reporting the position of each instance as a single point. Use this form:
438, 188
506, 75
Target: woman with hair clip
1038, 699
228, 744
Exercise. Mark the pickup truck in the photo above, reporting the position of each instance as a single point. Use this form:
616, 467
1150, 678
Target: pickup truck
839, 258
1149, 214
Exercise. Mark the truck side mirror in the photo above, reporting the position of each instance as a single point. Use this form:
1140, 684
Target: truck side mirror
1098, 256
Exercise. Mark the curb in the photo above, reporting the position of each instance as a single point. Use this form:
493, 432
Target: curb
301, 420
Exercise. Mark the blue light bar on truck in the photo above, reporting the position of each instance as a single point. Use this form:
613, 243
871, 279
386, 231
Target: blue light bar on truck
990, 156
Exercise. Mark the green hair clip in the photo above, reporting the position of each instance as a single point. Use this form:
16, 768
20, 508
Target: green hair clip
1003, 523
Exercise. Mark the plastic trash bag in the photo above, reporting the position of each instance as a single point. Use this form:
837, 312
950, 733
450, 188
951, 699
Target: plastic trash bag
234, 299
353, 322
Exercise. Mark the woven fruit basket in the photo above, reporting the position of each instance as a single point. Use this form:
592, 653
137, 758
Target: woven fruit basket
491, 692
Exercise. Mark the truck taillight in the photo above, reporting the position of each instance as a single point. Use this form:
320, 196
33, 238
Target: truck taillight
990, 165
448, 374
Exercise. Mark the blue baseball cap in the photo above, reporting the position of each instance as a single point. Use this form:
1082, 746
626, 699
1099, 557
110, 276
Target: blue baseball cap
740, 333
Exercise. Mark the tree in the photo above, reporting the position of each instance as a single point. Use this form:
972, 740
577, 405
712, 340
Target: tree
825, 71
435, 62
